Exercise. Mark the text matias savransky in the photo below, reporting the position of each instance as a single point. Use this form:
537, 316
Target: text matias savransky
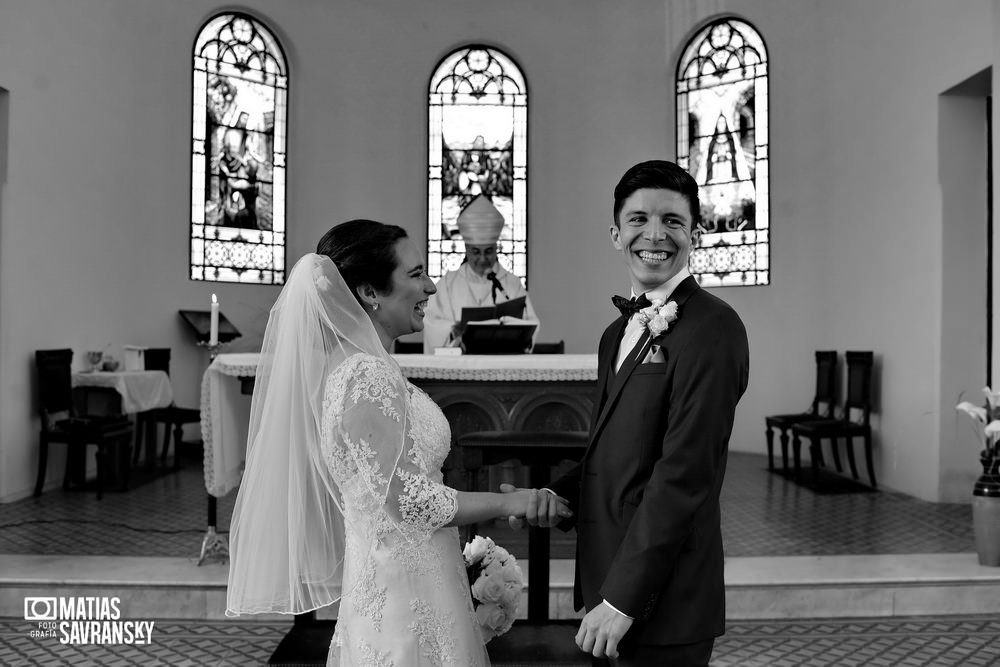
85, 620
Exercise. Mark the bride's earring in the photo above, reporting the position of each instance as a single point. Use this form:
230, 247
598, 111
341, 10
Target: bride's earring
375, 306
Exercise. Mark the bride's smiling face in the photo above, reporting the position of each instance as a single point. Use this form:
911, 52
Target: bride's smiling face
401, 307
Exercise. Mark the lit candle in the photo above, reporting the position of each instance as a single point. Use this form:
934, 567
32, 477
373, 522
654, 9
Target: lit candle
213, 330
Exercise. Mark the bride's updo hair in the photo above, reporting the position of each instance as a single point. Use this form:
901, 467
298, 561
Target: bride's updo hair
364, 252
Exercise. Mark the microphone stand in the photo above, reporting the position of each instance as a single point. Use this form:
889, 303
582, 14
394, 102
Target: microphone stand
492, 277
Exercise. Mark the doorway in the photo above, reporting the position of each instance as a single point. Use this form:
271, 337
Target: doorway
965, 174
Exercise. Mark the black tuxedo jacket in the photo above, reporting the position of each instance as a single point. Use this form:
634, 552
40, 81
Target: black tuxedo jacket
645, 495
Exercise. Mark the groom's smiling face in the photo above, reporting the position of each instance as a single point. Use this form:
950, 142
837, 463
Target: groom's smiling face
653, 232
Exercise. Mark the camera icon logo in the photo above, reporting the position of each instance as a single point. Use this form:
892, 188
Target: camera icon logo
40, 609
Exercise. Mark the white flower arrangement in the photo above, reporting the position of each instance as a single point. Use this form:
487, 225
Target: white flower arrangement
658, 316
989, 418
496, 582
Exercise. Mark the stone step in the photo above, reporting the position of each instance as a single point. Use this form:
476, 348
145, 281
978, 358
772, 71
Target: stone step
860, 586
756, 588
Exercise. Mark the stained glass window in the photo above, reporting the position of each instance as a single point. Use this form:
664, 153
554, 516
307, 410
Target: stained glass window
238, 132
478, 111
722, 142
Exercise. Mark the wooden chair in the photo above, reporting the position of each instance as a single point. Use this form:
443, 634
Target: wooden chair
821, 408
853, 422
559, 347
408, 347
172, 417
60, 424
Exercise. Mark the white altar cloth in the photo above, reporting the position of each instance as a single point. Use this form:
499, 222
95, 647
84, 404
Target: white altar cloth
225, 410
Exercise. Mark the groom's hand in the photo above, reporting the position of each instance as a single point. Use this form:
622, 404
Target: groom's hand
601, 630
545, 509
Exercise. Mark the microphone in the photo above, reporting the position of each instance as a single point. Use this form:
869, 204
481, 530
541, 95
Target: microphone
492, 277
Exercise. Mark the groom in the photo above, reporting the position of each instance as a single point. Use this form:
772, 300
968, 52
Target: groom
645, 497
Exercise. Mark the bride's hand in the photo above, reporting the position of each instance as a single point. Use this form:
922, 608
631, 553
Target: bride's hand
539, 507
515, 502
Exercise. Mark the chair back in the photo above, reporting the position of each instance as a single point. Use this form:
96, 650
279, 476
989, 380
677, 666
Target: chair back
826, 382
559, 347
157, 359
55, 383
408, 347
859, 384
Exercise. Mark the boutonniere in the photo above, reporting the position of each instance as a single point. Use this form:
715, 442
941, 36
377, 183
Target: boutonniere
658, 317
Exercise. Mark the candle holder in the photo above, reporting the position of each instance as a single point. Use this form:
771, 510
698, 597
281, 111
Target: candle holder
213, 349
214, 546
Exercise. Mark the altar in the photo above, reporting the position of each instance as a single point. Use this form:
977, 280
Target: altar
476, 393
536, 394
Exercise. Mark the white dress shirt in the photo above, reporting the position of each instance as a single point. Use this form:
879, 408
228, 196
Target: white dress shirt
633, 330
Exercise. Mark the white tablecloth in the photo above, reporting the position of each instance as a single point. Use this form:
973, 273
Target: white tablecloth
225, 411
500, 367
140, 390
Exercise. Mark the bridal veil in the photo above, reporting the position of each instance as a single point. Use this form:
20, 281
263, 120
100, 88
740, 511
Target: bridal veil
287, 538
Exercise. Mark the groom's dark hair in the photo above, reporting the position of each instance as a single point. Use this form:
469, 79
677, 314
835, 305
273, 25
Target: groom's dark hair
658, 175
364, 252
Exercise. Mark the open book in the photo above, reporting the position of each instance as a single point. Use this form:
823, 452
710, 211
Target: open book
513, 309
506, 335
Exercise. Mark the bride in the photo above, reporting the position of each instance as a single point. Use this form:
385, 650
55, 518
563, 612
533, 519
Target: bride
342, 497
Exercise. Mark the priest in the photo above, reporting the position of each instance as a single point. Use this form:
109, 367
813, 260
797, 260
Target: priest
480, 282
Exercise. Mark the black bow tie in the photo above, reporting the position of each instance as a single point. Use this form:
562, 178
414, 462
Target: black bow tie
630, 307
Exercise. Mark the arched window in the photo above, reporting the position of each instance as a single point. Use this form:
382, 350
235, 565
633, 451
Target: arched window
722, 142
238, 132
478, 111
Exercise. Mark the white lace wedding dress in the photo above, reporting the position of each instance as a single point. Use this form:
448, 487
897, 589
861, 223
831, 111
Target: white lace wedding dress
406, 596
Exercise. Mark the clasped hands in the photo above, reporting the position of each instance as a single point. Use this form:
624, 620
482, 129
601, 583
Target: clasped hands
603, 627
544, 508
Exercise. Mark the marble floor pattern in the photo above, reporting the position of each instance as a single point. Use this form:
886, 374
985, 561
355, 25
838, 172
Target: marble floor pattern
763, 515
958, 641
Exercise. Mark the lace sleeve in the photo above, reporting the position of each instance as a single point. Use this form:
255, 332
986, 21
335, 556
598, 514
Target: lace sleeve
376, 439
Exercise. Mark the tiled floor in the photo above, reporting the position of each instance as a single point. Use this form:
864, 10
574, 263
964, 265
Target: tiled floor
917, 641
763, 515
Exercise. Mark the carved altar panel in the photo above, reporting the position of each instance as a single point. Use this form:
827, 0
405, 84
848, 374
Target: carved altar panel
553, 411
512, 406
466, 416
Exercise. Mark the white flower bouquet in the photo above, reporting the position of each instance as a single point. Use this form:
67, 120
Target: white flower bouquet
989, 421
496, 581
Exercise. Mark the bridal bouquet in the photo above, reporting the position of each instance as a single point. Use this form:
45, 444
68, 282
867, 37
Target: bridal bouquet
496, 581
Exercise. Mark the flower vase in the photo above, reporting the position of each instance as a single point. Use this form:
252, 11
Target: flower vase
986, 511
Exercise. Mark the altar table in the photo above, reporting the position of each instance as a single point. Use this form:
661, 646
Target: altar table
537, 393
476, 392
138, 390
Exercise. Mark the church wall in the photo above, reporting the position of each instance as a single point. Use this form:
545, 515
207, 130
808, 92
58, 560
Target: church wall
882, 212
97, 203
785, 323
856, 213
95, 209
